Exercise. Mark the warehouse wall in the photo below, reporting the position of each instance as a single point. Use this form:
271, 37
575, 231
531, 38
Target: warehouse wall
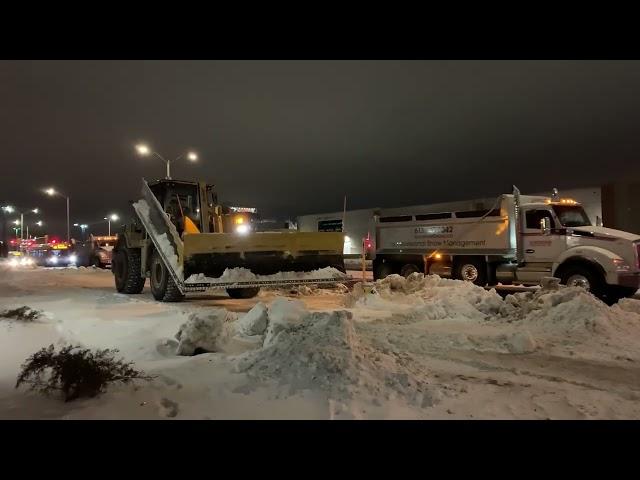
621, 206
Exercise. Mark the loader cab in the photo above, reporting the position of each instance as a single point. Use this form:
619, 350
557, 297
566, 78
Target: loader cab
196, 200
179, 199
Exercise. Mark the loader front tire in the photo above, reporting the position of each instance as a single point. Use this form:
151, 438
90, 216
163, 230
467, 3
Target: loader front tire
163, 288
243, 292
126, 270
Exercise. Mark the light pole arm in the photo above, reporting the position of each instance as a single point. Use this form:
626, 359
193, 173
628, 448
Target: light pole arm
167, 162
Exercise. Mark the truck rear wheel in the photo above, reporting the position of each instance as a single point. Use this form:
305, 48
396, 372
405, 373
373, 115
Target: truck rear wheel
163, 288
243, 292
471, 269
408, 269
126, 270
381, 270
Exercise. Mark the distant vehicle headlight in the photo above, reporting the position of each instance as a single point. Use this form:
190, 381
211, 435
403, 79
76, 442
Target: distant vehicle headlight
242, 229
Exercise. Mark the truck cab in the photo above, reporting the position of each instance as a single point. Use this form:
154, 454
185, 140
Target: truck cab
559, 239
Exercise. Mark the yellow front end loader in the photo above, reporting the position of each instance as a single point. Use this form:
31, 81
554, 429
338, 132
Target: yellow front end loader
184, 241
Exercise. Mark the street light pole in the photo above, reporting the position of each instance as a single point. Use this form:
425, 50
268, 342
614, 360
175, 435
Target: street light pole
108, 218
144, 151
51, 192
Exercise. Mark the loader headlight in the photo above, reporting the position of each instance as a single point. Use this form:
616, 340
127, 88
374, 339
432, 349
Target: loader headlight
242, 229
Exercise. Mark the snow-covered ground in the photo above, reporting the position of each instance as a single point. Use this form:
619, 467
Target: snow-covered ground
420, 348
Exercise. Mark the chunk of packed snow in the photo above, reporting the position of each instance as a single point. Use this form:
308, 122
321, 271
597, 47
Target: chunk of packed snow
201, 332
283, 314
254, 322
521, 342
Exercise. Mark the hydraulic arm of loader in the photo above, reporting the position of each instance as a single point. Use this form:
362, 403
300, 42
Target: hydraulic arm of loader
171, 248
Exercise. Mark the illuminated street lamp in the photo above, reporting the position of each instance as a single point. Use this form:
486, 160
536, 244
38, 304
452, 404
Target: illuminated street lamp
82, 227
113, 217
143, 150
20, 222
52, 193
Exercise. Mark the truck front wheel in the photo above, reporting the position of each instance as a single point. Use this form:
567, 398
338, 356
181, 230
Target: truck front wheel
163, 288
584, 277
126, 270
471, 269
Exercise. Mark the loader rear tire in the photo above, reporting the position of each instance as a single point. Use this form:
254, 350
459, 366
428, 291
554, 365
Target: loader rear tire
126, 270
163, 288
243, 292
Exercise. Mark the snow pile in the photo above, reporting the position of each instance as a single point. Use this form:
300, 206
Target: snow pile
628, 305
245, 275
561, 311
326, 351
427, 298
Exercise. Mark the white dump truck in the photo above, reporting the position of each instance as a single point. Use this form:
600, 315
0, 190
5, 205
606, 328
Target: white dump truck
520, 239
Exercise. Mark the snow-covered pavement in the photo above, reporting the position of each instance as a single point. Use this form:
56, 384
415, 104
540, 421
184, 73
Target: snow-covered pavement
422, 348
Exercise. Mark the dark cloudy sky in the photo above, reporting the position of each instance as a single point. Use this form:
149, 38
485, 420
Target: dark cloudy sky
292, 137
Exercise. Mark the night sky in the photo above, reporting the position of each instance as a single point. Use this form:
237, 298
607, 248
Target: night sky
292, 137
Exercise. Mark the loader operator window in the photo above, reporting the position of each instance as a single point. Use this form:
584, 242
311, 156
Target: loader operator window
181, 204
534, 217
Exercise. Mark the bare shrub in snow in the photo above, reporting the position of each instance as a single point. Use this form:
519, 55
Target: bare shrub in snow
75, 371
23, 314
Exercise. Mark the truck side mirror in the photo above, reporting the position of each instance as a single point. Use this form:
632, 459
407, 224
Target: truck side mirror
545, 226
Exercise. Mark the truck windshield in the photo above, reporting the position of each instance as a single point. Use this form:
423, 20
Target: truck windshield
571, 216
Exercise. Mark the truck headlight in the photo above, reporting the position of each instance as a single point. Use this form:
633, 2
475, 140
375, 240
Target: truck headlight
242, 229
13, 262
53, 260
73, 258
